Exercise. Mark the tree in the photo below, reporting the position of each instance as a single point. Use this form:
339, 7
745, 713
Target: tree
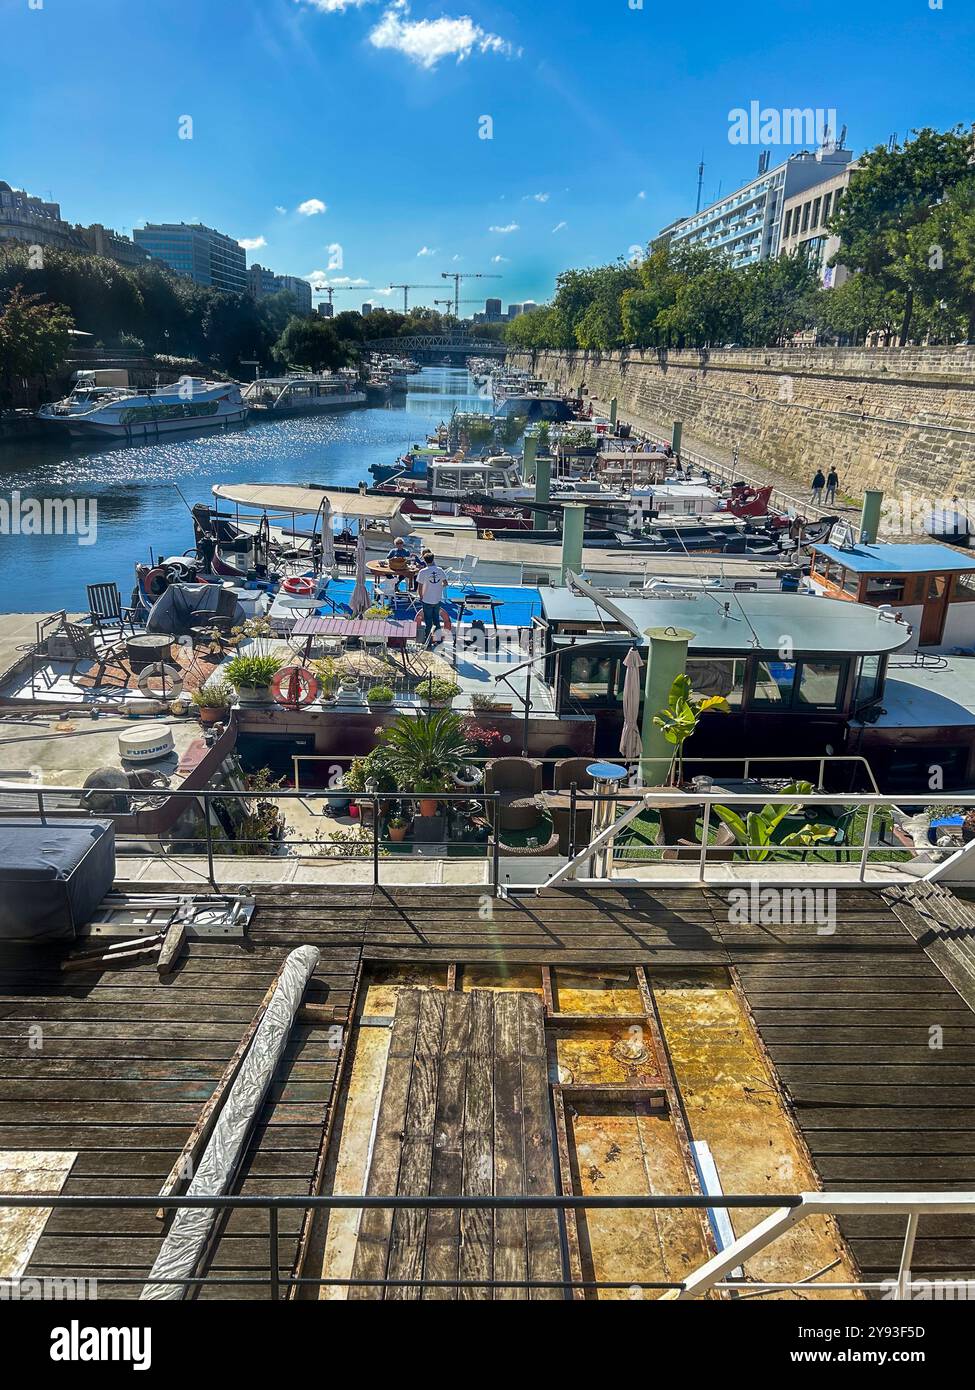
891, 193
311, 343
34, 337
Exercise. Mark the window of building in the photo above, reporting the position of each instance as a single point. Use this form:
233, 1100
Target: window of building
718, 676
805, 216
815, 212
826, 206
787, 224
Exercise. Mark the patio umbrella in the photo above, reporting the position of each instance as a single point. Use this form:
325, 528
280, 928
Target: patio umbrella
328, 542
359, 601
631, 743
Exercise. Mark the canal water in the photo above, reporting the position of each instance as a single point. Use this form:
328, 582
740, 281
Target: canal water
137, 489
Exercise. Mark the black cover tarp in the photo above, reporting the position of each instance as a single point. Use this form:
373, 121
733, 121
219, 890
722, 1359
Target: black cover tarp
183, 606
53, 874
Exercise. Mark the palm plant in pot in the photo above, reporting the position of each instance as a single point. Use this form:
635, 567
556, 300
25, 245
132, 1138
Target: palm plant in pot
678, 721
425, 753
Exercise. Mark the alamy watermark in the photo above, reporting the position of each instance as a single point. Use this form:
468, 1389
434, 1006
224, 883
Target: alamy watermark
49, 516
774, 907
788, 125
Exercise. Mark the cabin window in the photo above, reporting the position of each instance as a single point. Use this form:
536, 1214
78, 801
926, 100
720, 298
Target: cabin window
773, 683
868, 681
719, 676
820, 683
592, 680
964, 588
850, 581
881, 590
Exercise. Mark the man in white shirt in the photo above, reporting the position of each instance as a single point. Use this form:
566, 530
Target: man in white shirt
431, 582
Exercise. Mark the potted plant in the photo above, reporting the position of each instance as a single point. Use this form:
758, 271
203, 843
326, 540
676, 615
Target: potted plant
755, 830
438, 692
488, 705
380, 695
678, 722
213, 700
424, 753
327, 676
397, 826
252, 676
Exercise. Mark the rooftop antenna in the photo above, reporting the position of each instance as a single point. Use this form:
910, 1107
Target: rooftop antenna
841, 143
700, 182
892, 143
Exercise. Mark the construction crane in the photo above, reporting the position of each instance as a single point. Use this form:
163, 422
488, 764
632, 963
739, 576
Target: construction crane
330, 290
458, 275
449, 303
406, 293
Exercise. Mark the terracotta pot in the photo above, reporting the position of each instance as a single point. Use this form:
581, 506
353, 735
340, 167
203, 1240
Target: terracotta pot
397, 833
428, 806
209, 714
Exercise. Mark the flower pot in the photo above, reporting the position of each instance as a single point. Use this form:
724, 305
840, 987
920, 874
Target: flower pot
380, 704
428, 805
397, 833
210, 714
253, 694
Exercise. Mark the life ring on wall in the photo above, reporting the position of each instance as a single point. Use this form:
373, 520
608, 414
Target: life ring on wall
156, 582
300, 585
171, 677
294, 686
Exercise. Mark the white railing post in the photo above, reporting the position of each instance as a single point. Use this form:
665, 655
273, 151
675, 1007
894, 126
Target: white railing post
907, 1254
867, 832
705, 831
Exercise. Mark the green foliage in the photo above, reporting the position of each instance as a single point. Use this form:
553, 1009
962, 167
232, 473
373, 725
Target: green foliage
34, 337
253, 670
755, 831
438, 690
424, 752
214, 694
380, 695
374, 767
311, 343
679, 719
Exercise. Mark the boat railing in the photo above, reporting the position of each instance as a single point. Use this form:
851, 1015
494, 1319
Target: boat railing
287, 1279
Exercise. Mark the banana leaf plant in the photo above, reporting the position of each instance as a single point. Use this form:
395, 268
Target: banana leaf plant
755, 830
679, 719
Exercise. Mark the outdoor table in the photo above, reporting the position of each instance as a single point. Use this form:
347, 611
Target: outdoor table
386, 631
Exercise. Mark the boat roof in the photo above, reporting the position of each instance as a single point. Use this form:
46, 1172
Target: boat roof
290, 497
733, 622
921, 558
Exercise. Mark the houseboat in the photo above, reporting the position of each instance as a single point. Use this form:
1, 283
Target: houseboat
123, 413
303, 393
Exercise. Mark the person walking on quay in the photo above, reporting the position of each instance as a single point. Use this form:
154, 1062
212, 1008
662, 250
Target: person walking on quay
832, 483
818, 483
431, 581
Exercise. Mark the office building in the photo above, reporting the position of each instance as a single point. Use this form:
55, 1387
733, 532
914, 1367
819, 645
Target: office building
747, 224
203, 255
804, 231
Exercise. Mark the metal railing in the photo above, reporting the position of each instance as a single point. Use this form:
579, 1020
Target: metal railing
716, 1273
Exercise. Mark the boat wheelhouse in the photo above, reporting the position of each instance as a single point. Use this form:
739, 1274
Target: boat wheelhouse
931, 586
793, 674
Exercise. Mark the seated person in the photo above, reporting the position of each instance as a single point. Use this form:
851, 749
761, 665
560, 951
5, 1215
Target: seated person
398, 559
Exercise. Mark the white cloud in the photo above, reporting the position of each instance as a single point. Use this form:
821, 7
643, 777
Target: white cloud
321, 277
499, 260
252, 243
457, 258
505, 231
427, 251
311, 206
641, 194
335, 6
280, 209
427, 41
536, 197
559, 227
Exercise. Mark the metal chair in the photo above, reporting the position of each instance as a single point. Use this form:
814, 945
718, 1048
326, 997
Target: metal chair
460, 578
105, 608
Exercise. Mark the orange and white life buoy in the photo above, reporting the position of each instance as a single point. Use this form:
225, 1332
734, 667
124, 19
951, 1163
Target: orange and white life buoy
294, 686
445, 619
299, 585
156, 582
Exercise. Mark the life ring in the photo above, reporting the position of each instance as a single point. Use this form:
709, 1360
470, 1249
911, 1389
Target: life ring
294, 686
156, 582
487, 535
171, 677
300, 585
445, 619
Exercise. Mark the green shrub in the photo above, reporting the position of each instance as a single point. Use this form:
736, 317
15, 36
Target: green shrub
215, 694
380, 695
253, 670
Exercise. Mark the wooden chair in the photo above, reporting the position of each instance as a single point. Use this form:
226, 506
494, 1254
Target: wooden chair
105, 609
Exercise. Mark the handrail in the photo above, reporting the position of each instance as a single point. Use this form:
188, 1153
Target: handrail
791, 1208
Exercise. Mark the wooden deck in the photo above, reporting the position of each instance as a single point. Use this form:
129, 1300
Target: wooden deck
850, 1020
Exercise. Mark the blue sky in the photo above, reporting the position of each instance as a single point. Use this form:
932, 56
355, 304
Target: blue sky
373, 110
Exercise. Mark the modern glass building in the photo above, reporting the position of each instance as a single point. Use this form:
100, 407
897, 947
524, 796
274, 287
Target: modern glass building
201, 254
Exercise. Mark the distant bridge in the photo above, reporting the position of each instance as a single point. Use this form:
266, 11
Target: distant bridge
424, 346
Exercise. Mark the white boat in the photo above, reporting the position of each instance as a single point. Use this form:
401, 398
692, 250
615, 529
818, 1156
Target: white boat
121, 412
303, 393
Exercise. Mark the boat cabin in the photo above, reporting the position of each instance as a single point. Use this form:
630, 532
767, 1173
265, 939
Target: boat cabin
793, 675
460, 480
931, 586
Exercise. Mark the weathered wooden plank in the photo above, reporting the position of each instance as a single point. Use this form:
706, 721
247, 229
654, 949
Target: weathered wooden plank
477, 1226
510, 1226
447, 1175
544, 1235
